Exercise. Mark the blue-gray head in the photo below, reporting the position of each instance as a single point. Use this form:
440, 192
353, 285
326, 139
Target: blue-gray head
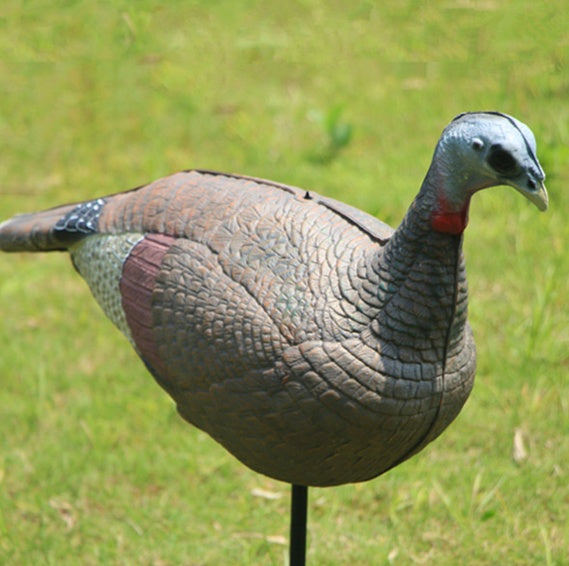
478, 150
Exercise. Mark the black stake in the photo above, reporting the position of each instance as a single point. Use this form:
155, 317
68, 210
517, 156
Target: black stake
298, 511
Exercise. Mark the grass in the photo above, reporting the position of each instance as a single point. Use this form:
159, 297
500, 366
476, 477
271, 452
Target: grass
344, 98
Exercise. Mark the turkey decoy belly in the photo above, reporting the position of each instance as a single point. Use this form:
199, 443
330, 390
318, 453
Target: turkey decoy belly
314, 342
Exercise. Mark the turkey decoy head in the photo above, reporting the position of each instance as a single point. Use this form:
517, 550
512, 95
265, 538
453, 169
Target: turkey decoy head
478, 150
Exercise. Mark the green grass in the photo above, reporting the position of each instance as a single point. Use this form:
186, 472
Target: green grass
344, 98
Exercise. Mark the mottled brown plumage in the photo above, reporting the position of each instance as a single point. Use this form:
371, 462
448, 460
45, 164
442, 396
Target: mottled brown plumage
315, 343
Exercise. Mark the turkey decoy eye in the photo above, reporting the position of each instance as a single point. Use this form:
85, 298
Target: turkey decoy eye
502, 161
477, 144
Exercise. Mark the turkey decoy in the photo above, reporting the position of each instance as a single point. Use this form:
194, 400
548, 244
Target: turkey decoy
314, 342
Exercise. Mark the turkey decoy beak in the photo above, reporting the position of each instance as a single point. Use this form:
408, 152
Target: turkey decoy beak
535, 192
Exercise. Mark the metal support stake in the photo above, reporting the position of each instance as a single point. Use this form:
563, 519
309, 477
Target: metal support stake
298, 513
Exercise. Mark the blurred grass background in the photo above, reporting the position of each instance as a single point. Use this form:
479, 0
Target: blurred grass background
344, 98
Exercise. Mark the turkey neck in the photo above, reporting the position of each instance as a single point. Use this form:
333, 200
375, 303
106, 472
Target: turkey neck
422, 288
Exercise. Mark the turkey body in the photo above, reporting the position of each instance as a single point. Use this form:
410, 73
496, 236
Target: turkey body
314, 342
277, 323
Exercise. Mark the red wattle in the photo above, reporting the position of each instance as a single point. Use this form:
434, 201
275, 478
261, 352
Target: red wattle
447, 222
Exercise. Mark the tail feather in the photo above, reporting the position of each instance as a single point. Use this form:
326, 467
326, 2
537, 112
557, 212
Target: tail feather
38, 231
